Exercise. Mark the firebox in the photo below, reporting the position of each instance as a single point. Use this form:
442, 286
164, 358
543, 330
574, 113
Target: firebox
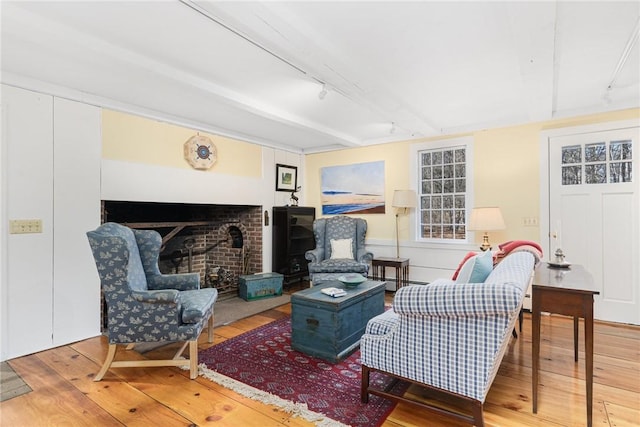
219, 242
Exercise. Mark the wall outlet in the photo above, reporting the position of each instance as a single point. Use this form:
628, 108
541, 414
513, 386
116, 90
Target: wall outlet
24, 226
530, 221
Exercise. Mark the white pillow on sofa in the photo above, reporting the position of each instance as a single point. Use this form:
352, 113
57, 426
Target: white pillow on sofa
476, 269
341, 248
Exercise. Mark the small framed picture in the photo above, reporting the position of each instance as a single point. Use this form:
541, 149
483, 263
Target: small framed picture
286, 177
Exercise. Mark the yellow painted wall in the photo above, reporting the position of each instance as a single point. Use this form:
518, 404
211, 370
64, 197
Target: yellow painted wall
506, 172
396, 164
136, 139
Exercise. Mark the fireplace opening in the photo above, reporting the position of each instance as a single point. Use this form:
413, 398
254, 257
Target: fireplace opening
219, 242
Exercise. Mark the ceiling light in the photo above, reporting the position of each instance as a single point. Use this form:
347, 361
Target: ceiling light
393, 128
323, 92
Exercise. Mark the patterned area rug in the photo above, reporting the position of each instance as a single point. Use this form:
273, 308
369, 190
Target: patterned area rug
309, 387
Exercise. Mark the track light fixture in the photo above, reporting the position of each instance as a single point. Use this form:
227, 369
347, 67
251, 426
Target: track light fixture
628, 50
323, 92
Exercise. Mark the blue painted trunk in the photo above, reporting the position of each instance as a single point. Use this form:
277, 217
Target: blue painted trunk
330, 328
257, 286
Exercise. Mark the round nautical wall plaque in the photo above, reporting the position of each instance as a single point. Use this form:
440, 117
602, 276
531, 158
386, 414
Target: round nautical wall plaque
200, 152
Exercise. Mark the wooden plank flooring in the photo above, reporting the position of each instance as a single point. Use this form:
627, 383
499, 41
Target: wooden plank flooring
65, 394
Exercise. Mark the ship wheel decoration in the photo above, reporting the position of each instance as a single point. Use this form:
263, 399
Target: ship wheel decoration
200, 152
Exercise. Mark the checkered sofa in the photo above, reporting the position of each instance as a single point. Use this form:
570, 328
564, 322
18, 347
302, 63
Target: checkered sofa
448, 337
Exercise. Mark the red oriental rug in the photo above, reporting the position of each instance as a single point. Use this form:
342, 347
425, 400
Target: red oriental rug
304, 385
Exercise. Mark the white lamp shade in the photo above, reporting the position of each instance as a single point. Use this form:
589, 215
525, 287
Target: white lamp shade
404, 199
486, 219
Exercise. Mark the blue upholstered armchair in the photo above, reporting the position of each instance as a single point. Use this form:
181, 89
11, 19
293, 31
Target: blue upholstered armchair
339, 247
144, 305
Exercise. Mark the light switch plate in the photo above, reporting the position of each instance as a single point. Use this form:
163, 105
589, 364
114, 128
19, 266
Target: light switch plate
24, 226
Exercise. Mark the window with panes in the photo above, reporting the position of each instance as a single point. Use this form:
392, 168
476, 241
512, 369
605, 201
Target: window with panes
599, 163
443, 193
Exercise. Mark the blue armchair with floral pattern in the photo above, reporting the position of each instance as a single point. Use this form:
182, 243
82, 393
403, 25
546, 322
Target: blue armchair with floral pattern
144, 305
339, 247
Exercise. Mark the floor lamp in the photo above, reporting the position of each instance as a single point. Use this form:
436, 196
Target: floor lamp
403, 200
486, 219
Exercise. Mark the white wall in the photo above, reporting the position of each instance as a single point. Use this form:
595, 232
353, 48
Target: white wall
51, 154
76, 209
28, 141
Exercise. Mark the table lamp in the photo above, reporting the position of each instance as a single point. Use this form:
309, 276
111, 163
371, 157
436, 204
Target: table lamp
403, 200
486, 219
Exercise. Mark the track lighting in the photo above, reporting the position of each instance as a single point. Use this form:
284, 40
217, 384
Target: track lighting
323, 92
628, 50
393, 128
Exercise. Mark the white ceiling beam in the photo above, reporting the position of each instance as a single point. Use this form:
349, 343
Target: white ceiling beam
430, 67
45, 29
533, 28
628, 49
281, 31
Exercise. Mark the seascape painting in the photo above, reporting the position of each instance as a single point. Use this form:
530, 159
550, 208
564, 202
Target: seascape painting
353, 189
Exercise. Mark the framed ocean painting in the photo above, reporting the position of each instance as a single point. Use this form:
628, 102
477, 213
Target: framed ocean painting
353, 189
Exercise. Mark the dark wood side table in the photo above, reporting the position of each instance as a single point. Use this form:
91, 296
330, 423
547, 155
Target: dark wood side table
400, 264
567, 291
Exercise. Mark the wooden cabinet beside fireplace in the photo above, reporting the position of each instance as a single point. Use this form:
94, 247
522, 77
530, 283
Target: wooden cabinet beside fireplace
292, 237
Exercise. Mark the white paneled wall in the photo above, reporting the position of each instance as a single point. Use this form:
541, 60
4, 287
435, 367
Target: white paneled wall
28, 135
76, 209
53, 175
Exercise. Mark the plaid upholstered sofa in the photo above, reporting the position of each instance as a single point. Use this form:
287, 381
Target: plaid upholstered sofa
448, 337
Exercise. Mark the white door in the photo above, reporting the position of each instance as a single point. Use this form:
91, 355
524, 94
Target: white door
594, 214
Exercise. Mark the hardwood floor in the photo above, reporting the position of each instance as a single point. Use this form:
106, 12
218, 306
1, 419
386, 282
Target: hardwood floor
64, 393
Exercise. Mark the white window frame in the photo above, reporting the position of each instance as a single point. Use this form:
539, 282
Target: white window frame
415, 177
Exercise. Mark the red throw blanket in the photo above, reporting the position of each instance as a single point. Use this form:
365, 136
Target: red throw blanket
505, 249
517, 245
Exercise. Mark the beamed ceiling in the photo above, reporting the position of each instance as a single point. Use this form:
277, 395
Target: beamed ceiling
392, 70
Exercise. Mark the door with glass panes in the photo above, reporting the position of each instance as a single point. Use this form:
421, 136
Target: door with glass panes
594, 214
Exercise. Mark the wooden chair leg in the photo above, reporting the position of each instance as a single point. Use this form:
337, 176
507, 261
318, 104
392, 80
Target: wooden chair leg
107, 362
176, 361
193, 359
210, 329
180, 350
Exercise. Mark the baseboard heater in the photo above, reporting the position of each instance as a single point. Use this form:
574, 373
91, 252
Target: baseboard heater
392, 284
